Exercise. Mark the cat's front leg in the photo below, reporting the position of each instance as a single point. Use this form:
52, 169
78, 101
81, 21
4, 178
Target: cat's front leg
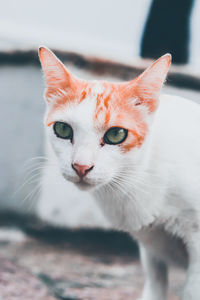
191, 290
156, 281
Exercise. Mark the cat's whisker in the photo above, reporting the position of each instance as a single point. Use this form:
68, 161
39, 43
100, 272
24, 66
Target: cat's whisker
34, 197
38, 168
131, 185
28, 182
131, 195
139, 171
120, 187
34, 160
37, 163
141, 176
32, 192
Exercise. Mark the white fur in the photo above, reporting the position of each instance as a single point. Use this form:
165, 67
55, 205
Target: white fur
153, 192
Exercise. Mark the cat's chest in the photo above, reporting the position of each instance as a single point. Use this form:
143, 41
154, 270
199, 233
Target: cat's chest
147, 228
147, 231
124, 214
167, 247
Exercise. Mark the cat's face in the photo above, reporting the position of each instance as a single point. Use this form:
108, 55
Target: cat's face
96, 128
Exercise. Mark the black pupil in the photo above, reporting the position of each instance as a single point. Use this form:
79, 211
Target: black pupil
116, 132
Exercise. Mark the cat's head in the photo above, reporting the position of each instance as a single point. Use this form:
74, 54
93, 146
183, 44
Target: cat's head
97, 128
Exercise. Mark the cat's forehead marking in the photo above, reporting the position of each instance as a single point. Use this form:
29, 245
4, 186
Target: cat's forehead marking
97, 88
114, 107
109, 105
103, 96
94, 90
100, 105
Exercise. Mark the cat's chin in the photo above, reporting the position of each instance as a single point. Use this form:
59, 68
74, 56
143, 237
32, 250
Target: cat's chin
84, 186
81, 184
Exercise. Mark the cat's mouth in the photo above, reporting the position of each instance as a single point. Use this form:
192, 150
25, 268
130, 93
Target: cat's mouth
83, 185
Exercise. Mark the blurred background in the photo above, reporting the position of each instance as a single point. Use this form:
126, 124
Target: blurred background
121, 30
109, 39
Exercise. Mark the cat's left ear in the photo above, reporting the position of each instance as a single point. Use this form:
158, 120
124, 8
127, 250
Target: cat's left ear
56, 75
148, 85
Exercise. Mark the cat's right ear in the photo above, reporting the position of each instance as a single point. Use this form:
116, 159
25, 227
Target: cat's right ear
56, 75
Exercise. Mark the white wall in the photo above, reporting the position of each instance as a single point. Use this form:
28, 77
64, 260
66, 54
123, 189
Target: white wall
110, 28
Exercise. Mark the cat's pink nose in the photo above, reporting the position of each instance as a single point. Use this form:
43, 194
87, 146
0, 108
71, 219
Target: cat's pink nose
81, 170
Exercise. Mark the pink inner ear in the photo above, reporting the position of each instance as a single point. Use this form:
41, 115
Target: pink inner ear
56, 75
146, 88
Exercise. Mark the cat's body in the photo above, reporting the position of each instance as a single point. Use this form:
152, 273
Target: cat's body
164, 208
146, 184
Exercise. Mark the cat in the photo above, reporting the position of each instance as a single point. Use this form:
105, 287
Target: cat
138, 152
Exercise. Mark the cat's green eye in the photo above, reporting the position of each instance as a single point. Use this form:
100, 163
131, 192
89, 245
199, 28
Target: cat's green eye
115, 135
63, 130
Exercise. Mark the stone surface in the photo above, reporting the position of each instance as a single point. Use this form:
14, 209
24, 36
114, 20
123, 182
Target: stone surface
50, 263
17, 283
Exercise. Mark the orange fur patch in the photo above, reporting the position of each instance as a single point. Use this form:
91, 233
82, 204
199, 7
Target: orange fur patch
76, 92
115, 108
117, 104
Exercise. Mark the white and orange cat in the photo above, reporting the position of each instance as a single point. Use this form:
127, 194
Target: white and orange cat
138, 152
